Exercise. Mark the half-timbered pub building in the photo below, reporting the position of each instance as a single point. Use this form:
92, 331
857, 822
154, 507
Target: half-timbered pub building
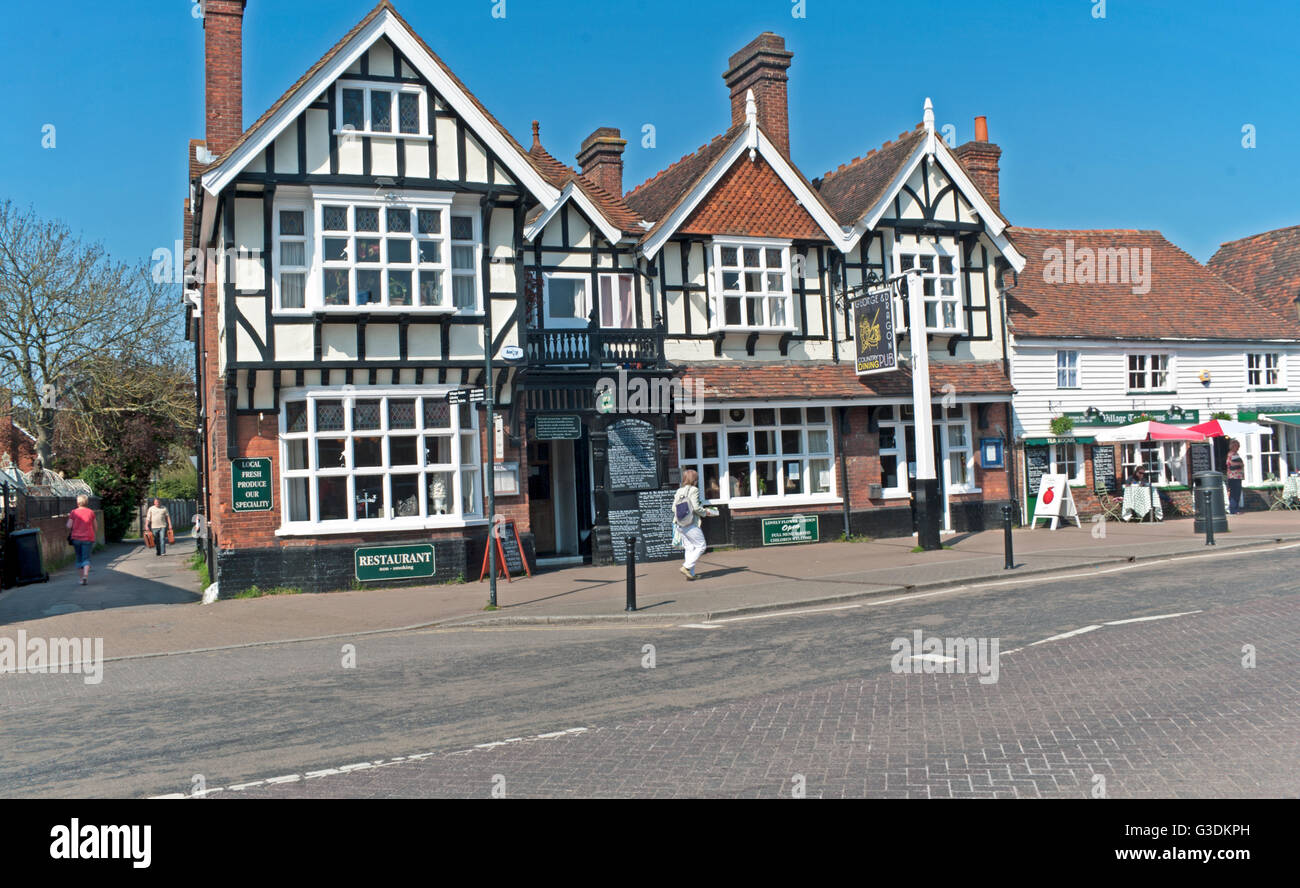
364, 234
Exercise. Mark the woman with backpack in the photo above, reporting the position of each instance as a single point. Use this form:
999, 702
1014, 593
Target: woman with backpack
687, 512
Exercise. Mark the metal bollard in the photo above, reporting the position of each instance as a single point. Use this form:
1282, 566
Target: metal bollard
1207, 505
631, 574
1006, 538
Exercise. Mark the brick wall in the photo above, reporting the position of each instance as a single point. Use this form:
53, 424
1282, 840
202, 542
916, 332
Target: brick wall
223, 58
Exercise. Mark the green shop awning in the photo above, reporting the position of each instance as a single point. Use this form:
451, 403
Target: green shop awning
1288, 418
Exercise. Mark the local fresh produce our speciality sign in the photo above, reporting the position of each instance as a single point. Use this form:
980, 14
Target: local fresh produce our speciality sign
250, 485
394, 562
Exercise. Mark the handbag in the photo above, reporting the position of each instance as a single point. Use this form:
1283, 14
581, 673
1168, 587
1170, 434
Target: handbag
171, 537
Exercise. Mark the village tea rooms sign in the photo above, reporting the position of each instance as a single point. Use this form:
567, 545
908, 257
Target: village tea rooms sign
873, 332
250, 485
394, 562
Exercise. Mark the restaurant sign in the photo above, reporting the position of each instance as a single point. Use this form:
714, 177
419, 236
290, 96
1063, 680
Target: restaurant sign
250, 482
553, 427
785, 531
1126, 417
873, 332
394, 562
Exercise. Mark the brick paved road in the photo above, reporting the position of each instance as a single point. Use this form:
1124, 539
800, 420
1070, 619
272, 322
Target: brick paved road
1159, 709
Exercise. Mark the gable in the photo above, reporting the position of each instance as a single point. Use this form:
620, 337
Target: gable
462, 136
750, 200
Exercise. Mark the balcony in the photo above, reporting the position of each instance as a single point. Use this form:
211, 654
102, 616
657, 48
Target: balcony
595, 349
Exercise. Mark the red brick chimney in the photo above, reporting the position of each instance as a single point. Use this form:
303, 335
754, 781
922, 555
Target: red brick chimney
980, 157
601, 159
761, 66
223, 56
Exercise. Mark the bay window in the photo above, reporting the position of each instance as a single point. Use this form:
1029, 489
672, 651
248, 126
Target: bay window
750, 286
356, 459
752, 455
421, 254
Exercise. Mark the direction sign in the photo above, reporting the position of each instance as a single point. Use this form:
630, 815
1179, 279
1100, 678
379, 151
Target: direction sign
464, 396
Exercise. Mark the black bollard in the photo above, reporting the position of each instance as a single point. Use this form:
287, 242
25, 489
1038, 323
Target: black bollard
1207, 515
1006, 537
631, 574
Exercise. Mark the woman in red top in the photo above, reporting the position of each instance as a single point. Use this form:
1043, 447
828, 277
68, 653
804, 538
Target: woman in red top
81, 524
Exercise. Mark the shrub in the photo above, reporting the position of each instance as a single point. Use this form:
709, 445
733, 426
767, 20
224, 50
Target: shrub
118, 497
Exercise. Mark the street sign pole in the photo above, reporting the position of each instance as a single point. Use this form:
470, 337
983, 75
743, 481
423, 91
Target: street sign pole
928, 507
490, 477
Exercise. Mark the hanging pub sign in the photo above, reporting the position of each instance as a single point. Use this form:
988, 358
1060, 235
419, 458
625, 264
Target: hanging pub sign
873, 332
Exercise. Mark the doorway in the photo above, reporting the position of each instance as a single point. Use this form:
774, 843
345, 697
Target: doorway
559, 499
940, 472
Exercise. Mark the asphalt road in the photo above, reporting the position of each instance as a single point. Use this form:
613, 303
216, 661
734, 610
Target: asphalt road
749, 707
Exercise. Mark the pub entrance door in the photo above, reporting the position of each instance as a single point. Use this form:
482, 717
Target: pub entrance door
559, 499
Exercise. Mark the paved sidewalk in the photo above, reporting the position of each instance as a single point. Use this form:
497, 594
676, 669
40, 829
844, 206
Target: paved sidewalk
123, 603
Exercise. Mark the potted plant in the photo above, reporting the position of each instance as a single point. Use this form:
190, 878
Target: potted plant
1143, 417
1062, 425
1219, 414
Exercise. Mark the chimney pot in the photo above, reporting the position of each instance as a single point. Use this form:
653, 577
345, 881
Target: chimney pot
981, 129
980, 158
761, 66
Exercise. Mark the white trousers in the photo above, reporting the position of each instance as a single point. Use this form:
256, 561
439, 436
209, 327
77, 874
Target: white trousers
693, 544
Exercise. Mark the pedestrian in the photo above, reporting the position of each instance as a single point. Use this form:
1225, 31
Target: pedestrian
687, 512
1138, 476
81, 533
1236, 472
160, 522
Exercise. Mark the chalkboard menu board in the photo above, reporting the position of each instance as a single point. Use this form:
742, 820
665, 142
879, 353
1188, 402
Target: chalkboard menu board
510, 545
648, 517
1036, 465
633, 462
1199, 459
1103, 467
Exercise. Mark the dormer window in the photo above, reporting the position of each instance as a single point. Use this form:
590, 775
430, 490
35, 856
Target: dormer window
382, 110
940, 289
750, 286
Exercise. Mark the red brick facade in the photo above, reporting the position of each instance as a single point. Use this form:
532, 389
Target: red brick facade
223, 63
761, 66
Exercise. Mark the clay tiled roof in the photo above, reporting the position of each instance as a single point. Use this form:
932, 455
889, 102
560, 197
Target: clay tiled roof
853, 188
655, 198
789, 380
750, 200
1185, 300
560, 174
1265, 266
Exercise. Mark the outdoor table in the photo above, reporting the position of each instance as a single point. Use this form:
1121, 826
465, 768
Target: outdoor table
1137, 502
1291, 488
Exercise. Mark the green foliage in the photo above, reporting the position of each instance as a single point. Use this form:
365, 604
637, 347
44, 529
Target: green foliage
179, 482
256, 592
1219, 414
118, 497
199, 564
1062, 425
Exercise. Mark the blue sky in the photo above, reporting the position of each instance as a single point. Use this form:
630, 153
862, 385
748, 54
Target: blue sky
1129, 121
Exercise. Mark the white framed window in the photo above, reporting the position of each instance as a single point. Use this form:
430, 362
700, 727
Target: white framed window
564, 301
1066, 458
940, 272
355, 459
1163, 461
897, 445
382, 109
1270, 455
760, 455
751, 285
617, 301
418, 254
1067, 369
1149, 372
1263, 370
293, 264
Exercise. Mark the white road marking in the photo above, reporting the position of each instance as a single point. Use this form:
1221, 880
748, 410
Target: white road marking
1070, 634
784, 613
1148, 619
364, 766
934, 658
699, 626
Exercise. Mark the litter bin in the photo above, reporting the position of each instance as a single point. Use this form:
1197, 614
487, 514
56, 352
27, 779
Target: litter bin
23, 558
1212, 481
